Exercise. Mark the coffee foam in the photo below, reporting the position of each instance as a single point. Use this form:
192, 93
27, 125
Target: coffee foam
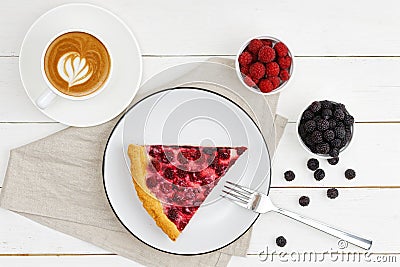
77, 64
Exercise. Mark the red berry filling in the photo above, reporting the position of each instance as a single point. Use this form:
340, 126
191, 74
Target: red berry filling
182, 177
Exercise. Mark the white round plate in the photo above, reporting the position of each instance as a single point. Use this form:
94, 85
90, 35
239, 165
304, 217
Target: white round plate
202, 117
126, 60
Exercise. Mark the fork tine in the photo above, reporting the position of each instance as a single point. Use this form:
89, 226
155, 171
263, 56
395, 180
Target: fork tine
240, 192
236, 201
236, 197
248, 190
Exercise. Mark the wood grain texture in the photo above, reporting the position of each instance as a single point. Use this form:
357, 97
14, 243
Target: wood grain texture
368, 86
209, 27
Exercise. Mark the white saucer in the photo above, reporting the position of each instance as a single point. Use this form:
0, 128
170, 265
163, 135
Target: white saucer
157, 119
127, 63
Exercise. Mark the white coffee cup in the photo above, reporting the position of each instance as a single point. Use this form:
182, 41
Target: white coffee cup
48, 96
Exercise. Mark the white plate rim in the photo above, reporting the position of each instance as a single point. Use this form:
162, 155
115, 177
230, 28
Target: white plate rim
140, 75
129, 230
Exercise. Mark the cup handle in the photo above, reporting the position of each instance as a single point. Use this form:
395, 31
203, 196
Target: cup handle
45, 99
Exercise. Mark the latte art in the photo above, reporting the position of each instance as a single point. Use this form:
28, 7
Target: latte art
77, 64
73, 69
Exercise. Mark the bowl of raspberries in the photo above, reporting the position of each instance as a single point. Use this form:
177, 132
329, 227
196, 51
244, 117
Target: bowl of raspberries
264, 65
325, 128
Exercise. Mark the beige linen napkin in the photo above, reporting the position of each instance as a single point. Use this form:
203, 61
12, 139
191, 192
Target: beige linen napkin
57, 182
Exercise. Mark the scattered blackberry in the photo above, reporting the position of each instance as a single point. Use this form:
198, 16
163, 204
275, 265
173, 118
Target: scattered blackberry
334, 152
289, 175
319, 174
340, 132
280, 241
350, 174
326, 114
310, 126
323, 148
348, 120
336, 143
315, 106
329, 135
332, 124
322, 125
326, 104
307, 115
332, 193
316, 137
304, 201
338, 114
313, 164
333, 161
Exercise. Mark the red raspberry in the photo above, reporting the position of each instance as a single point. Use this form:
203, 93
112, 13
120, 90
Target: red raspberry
265, 86
272, 69
281, 49
285, 62
284, 75
267, 42
266, 54
275, 81
244, 69
248, 81
257, 71
254, 46
245, 58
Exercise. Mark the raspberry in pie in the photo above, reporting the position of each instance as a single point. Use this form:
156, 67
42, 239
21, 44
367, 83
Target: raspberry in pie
173, 181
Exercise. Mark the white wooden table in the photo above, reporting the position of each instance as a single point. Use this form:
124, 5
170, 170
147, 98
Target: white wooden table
345, 50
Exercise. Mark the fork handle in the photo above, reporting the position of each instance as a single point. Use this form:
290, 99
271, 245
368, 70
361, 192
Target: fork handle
351, 238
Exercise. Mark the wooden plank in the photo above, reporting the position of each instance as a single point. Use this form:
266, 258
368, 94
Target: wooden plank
357, 82
373, 154
67, 261
218, 28
360, 211
374, 159
356, 210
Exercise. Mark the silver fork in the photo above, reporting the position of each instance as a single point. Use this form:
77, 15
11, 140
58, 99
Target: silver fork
261, 203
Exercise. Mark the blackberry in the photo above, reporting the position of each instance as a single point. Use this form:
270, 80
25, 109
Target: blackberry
326, 114
333, 161
289, 176
304, 201
329, 135
313, 164
323, 148
340, 124
302, 131
307, 115
341, 106
326, 104
280, 241
322, 125
338, 114
332, 193
316, 137
310, 126
317, 118
308, 141
348, 136
332, 124
340, 132
319, 174
350, 174
336, 143
348, 120
315, 106
334, 152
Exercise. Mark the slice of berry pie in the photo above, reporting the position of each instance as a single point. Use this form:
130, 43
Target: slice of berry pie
173, 181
